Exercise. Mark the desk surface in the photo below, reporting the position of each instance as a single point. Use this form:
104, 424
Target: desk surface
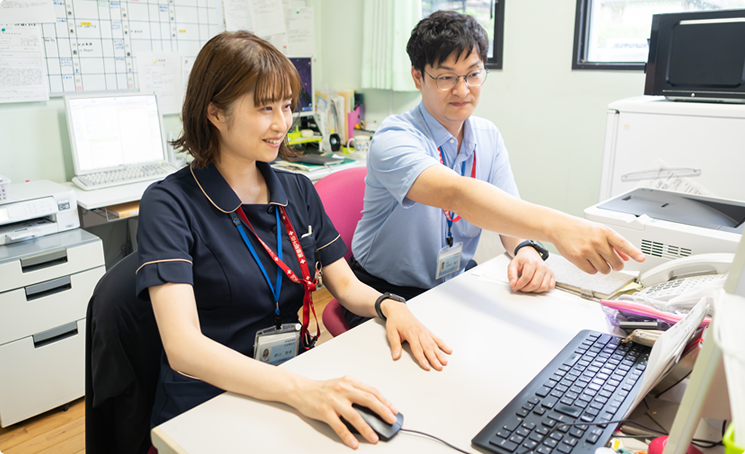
501, 340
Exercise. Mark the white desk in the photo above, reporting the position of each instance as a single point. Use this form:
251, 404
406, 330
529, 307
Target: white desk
501, 340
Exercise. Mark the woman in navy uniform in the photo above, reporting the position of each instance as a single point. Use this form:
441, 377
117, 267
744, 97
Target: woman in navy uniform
230, 247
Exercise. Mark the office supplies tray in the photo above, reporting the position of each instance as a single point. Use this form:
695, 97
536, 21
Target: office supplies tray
566, 408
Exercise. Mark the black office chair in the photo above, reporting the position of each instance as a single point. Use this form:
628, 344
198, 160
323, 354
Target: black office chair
122, 363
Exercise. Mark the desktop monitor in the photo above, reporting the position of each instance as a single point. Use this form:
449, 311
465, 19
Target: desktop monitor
304, 66
114, 131
697, 56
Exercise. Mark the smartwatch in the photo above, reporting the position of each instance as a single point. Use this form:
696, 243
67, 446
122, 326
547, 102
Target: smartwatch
535, 245
384, 296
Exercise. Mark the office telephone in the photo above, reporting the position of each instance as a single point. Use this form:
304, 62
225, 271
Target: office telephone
685, 278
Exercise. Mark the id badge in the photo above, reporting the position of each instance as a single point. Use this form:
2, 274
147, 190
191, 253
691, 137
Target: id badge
448, 260
275, 346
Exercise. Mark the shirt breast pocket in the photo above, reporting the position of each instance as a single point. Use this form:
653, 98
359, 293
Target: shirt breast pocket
467, 230
308, 244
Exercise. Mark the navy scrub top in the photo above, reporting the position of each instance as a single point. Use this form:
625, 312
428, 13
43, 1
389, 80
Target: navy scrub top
186, 235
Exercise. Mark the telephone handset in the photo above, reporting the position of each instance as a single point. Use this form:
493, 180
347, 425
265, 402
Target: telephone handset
684, 275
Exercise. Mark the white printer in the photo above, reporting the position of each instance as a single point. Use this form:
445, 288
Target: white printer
48, 270
668, 225
36, 209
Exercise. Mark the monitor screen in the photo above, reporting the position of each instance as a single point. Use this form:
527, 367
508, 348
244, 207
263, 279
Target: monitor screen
697, 55
304, 68
113, 131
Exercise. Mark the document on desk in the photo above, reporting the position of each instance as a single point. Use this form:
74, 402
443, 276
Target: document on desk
668, 348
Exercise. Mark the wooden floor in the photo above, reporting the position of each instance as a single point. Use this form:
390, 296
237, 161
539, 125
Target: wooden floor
63, 432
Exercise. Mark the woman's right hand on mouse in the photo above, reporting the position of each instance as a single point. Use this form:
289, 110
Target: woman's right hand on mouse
328, 400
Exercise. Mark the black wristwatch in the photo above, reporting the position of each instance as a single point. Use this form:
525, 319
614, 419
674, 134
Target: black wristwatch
535, 245
384, 296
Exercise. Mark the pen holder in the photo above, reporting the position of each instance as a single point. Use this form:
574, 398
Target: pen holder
729, 442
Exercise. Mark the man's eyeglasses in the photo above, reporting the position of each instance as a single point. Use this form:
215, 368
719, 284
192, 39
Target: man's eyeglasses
449, 80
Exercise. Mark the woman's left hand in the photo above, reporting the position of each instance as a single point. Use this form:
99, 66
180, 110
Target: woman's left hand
401, 326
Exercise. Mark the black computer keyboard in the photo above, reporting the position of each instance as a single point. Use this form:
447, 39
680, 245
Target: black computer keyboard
566, 407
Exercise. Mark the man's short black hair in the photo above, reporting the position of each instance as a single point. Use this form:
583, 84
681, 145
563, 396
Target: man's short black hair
440, 34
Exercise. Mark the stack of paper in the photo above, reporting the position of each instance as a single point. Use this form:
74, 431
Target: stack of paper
591, 286
730, 336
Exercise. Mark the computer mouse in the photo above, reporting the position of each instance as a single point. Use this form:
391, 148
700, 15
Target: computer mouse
384, 430
658, 445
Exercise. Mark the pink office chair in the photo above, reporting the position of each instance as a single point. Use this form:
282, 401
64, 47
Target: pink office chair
342, 193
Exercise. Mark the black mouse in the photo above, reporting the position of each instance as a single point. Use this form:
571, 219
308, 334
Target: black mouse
384, 430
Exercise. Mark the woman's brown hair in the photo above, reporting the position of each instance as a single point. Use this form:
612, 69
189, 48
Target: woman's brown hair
228, 66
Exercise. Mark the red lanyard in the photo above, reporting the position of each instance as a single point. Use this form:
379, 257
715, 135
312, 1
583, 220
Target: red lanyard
448, 215
309, 286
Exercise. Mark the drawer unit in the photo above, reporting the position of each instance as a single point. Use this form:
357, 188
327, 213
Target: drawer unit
45, 285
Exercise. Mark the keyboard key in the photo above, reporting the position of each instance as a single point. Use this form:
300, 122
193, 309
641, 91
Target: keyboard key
522, 431
569, 410
556, 436
534, 400
504, 444
512, 424
549, 402
543, 392
564, 449
535, 436
576, 432
516, 439
529, 444
573, 358
539, 411
523, 412
543, 450
570, 440
550, 442
504, 433
528, 426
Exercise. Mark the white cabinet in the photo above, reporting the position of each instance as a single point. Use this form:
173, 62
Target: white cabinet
45, 285
701, 142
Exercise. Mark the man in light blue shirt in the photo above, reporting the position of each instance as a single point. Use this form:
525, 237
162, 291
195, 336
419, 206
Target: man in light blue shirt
436, 176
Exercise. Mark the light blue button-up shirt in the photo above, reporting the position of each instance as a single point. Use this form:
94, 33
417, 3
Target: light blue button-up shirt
398, 239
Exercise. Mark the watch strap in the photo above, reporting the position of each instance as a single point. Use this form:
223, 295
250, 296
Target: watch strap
385, 296
542, 251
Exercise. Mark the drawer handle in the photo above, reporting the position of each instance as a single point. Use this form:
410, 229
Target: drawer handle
47, 288
45, 260
55, 334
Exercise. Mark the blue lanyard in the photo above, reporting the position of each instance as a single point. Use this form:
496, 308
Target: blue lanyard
275, 289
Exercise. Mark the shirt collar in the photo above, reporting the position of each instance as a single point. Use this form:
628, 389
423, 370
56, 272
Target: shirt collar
442, 136
222, 196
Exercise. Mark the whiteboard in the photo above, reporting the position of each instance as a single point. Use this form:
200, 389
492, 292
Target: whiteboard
93, 45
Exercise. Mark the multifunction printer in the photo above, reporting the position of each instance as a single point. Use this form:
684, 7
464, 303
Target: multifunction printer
667, 225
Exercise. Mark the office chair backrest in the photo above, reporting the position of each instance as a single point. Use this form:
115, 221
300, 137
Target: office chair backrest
122, 363
342, 194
